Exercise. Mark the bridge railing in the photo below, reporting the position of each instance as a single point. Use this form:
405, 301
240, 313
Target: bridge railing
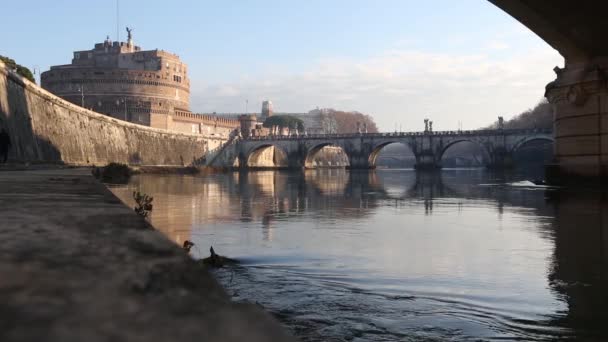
405, 134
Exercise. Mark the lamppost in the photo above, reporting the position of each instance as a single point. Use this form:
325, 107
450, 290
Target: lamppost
81, 90
123, 100
36, 73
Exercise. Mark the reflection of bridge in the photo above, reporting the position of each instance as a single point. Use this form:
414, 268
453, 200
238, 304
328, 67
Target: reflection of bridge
362, 149
574, 223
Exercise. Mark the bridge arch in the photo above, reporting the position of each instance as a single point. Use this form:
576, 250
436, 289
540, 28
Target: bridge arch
526, 140
313, 150
446, 147
373, 156
266, 155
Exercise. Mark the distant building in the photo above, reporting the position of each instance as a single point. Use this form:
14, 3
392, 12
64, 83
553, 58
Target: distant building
121, 80
316, 121
266, 110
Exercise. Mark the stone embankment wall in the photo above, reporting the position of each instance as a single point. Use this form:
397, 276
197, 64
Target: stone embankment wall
45, 128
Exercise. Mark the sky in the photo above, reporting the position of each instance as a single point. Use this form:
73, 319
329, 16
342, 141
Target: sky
459, 63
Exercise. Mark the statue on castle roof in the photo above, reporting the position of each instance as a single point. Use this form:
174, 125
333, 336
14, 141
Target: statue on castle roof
129, 33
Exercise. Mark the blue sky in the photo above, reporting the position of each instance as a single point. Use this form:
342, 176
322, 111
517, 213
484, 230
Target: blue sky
401, 61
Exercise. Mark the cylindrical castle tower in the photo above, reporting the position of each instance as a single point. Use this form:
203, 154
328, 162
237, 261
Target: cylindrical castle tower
121, 80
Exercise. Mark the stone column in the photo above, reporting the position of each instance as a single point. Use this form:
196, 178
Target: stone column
579, 97
500, 158
426, 158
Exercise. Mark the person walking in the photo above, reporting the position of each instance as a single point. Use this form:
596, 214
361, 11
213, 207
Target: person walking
5, 144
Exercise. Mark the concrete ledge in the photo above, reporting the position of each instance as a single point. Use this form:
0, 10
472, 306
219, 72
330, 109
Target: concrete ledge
78, 265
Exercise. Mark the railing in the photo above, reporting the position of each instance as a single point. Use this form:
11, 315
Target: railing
405, 134
207, 119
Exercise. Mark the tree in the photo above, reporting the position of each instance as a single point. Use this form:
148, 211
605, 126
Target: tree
541, 116
346, 122
20, 69
283, 121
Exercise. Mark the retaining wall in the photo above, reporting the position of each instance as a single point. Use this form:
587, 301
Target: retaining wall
45, 128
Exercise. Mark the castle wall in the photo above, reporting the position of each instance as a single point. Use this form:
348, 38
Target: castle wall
106, 91
121, 80
161, 121
187, 122
46, 128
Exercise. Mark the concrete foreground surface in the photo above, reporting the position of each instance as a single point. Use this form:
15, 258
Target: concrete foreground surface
78, 265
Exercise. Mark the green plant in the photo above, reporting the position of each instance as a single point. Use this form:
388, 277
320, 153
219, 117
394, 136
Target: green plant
20, 69
144, 204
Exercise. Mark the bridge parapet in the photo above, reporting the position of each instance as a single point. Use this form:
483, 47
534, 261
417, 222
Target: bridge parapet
487, 132
362, 149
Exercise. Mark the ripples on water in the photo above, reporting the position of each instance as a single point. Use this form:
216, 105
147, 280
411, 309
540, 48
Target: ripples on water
395, 255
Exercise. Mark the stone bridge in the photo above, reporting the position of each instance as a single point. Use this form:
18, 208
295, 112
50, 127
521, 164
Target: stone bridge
362, 149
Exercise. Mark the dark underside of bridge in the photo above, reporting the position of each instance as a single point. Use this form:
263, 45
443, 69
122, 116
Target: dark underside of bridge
579, 94
564, 24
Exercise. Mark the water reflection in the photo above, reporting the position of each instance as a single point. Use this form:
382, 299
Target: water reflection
580, 261
385, 255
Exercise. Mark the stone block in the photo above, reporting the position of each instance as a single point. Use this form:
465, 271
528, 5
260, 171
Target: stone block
604, 147
577, 126
577, 146
586, 166
591, 106
160, 121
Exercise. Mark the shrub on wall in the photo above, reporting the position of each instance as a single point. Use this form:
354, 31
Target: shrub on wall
20, 69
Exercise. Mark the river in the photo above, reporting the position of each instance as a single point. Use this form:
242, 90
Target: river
391, 255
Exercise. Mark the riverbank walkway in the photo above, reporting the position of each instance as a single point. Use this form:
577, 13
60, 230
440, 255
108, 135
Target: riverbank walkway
76, 264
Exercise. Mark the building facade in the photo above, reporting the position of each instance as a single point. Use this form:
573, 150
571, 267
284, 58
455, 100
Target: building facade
123, 81
267, 110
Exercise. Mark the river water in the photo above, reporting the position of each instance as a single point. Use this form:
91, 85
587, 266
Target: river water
393, 255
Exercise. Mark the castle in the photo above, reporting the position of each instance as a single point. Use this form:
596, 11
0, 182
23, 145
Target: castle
123, 81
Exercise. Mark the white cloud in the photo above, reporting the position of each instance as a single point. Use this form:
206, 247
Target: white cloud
497, 45
226, 91
399, 86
